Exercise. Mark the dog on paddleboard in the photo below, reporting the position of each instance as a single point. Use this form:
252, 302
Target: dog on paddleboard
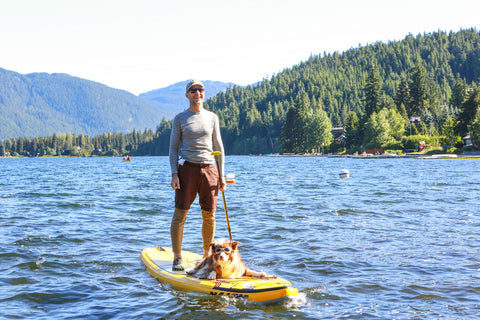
223, 261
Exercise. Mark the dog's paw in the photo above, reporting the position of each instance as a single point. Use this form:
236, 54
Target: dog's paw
257, 274
212, 276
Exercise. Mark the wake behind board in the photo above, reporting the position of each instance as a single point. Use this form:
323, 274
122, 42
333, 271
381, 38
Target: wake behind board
269, 289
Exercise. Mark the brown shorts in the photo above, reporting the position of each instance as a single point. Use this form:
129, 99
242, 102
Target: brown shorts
201, 179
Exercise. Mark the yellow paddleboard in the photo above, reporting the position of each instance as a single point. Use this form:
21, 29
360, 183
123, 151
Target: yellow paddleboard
269, 289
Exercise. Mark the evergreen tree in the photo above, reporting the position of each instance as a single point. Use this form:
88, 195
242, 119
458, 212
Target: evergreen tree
402, 96
294, 131
418, 91
286, 138
350, 129
373, 91
459, 92
474, 129
469, 109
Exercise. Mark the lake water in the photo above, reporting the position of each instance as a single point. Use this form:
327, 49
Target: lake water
399, 239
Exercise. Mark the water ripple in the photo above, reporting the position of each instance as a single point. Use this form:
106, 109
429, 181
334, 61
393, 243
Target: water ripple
396, 240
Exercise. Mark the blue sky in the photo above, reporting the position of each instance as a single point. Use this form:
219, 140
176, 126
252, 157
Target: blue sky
141, 45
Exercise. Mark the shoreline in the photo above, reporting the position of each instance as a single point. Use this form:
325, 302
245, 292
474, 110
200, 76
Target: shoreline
367, 156
387, 156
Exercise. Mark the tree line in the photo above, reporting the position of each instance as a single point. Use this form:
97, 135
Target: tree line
137, 143
384, 95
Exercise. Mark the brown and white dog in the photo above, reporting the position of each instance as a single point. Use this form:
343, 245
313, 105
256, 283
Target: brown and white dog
223, 261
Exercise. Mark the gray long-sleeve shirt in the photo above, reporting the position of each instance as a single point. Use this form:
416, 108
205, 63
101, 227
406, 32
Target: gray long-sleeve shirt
195, 135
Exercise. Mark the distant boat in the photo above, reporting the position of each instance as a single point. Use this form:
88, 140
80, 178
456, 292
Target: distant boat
126, 159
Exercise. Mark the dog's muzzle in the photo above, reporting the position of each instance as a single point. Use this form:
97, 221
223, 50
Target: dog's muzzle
222, 257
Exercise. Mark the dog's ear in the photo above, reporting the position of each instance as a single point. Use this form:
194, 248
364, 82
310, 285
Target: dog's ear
235, 244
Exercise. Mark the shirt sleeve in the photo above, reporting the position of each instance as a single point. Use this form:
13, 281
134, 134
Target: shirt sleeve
218, 145
175, 137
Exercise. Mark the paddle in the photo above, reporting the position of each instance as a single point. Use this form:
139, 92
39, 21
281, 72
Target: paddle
215, 154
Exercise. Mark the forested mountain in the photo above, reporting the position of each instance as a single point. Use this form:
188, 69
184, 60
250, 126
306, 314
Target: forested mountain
171, 100
383, 94
40, 104
253, 117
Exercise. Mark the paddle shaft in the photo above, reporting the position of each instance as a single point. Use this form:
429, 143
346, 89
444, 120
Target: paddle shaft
223, 197
226, 216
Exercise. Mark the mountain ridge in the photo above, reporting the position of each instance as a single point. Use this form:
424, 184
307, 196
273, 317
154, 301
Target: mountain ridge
41, 104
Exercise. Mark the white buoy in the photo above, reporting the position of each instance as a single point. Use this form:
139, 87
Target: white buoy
344, 173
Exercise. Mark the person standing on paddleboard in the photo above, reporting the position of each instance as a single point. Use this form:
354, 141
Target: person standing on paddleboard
195, 135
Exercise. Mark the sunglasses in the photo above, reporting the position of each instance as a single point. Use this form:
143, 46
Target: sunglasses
218, 250
193, 90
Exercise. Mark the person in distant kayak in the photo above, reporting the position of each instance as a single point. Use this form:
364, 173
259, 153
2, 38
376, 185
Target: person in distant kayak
195, 135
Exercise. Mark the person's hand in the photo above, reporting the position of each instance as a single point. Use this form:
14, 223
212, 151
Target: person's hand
175, 182
222, 184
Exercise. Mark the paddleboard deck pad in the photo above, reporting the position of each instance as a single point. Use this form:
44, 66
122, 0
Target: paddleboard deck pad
159, 260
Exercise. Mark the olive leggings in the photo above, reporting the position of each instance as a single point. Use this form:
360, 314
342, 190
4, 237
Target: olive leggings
176, 230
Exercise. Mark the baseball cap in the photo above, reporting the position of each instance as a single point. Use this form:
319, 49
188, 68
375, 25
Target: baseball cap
192, 83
